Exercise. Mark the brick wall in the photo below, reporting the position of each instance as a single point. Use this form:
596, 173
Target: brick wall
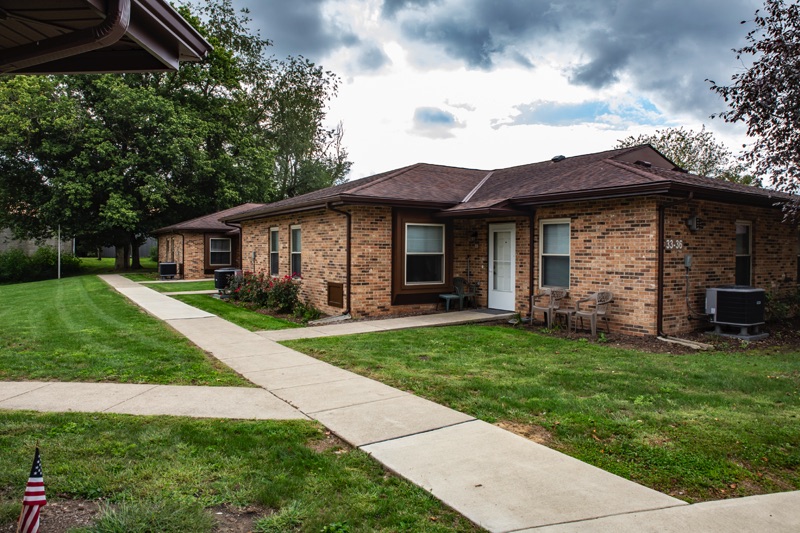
187, 249
713, 250
612, 247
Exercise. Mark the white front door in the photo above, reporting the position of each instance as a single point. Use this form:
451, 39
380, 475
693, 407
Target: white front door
502, 256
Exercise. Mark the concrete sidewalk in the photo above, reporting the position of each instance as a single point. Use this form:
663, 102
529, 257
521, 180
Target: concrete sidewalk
497, 479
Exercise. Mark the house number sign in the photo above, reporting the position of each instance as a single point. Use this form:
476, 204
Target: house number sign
673, 244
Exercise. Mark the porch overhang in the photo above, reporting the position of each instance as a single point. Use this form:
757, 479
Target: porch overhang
94, 36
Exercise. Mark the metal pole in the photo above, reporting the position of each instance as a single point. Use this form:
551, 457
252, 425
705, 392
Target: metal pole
59, 251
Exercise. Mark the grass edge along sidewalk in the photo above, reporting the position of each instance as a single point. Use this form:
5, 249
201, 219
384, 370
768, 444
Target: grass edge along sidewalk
80, 329
292, 474
698, 427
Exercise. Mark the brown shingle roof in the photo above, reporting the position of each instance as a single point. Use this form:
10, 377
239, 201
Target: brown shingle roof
209, 222
460, 192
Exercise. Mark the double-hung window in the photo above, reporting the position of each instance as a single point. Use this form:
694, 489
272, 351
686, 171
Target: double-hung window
424, 254
296, 248
554, 253
219, 252
744, 256
274, 255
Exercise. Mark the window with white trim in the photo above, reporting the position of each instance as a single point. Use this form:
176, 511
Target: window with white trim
296, 248
554, 253
744, 255
424, 259
274, 254
219, 252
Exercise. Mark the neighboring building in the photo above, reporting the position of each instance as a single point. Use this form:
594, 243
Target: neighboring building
29, 246
203, 244
624, 220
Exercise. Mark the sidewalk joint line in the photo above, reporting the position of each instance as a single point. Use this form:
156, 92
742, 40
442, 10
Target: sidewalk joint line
360, 446
579, 520
43, 385
132, 397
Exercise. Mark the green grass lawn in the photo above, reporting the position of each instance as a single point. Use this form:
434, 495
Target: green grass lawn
79, 329
237, 314
105, 265
182, 286
166, 472
700, 427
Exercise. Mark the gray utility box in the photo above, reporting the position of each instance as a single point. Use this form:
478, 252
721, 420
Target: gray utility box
736, 305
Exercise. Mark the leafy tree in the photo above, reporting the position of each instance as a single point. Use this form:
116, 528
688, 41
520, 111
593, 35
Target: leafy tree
766, 95
694, 151
111, 158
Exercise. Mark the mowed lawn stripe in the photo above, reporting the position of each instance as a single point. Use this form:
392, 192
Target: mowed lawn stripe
79, 329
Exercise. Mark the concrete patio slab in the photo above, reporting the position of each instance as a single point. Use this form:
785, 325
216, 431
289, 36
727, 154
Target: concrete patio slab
9, 389
504, 482
82, 397
298, 376
337, 394
388, 419
209, 402
776, 513
272, 361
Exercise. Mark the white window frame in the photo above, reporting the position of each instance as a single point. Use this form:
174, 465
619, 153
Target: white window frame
293, 252
406, 254
542, 255
749, 255
229, 251
275, 242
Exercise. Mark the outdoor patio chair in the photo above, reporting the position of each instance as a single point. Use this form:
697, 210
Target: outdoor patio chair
601, 301
549, 301
461, 291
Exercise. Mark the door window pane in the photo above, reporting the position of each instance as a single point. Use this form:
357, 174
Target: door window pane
501, 270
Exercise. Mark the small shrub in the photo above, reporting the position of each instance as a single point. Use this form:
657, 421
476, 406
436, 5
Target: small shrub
283, 295
306, 312
14, 266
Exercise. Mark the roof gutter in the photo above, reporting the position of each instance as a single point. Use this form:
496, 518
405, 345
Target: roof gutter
110, 30
349, 260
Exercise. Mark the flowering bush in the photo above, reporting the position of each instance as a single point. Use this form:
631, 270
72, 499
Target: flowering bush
279, 294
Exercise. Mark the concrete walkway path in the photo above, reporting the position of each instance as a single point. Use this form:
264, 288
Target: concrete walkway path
497, 479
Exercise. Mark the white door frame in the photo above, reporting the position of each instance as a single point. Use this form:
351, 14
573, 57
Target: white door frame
504, 295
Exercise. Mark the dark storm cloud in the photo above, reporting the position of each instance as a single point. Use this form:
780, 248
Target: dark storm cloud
299, 27
391, 7
372, 57
668, 48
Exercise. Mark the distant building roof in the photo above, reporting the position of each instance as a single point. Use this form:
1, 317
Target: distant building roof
91, 36
209, 222
635, 171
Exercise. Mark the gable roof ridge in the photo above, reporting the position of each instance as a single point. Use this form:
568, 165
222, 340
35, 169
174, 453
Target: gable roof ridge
630, 167
384, 178
475, 189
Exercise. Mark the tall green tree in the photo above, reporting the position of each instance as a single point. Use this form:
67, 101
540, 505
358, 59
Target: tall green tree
111, 158
766, 95
697, 152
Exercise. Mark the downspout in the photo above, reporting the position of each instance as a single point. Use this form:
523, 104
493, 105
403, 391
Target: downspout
532, 221
349, 239
662, 211
108, 32
241, 257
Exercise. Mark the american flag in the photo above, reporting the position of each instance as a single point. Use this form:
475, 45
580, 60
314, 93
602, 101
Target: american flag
34, 498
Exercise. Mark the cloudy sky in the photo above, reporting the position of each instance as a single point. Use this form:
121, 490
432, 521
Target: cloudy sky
495, 83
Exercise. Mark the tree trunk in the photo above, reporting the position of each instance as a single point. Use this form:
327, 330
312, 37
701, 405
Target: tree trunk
120, 257
136, 263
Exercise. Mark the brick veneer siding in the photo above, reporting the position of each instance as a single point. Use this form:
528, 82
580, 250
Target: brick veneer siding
188, 251
612, 247
713, 249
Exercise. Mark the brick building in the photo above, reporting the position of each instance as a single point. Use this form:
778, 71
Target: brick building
202, 245
624, 220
